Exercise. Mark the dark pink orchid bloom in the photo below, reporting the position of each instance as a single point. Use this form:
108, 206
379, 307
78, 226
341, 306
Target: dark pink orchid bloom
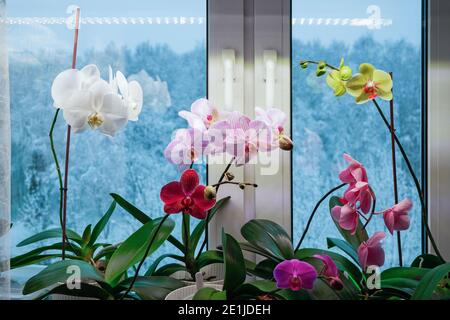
370, 252
295, 275
397, 218
355, 172
330, 271
359, 192
347, 217
186, 196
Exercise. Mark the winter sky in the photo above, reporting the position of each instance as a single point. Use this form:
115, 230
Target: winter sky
405, 16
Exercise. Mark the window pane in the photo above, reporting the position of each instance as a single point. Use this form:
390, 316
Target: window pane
169, 61
325, 127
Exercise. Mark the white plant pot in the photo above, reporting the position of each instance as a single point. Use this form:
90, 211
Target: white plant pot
212, 274
187, 293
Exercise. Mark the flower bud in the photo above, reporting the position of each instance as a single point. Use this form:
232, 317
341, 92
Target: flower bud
229, 176
242, 186
285, 143
304, 64
336, 284
322, 65
209, 193
346, 73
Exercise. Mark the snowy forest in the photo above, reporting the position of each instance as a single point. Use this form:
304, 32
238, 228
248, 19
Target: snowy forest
132, 163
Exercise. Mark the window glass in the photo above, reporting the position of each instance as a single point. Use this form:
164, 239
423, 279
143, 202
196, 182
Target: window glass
167, 56
326, 127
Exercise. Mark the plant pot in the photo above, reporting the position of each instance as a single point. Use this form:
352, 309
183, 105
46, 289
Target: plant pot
187, 293
212, 274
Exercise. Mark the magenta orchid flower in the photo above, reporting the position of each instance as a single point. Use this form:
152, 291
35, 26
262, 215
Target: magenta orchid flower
330, 271
188, 145
295, 275
201, 116
397, 218
240, 136
370, 252
186, 196
347, 217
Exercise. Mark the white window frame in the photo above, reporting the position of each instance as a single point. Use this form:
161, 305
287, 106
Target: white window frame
249, 27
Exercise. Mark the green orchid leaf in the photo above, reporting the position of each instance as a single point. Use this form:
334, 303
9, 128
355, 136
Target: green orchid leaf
428, 261
344, 246
207, 294
430, 282
209, 257
60, 272
264, 269
234, 264
360, 235
86, 235
85, 291
101, 224
132, 250
270, 236
50, 234
169, 269
156, 263
287, 294
151, 288
142, 217
253, 289
262, 252
415, 274
200, 227
26, 258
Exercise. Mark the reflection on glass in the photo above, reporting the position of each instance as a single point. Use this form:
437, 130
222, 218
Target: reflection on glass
325, 127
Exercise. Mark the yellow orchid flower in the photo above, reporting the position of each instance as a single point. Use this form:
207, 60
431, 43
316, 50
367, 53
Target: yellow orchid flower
369, 84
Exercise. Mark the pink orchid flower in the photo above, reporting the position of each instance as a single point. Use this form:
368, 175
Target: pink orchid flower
370, 252
359, 193
355, 172
186, 196
347, 217
201, 116
295, 275
397, 218
330, 271
275, 119
188, 145
240, 136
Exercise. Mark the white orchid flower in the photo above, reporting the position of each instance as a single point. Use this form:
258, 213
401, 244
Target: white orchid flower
202, 115
131, 93
71, 81
98, 108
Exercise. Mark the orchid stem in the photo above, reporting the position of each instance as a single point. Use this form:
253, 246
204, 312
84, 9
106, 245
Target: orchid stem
205, 241
58, 169
316, 62
372, 213
415, 179
394, 172
235, 183
147, 250
314, 213
66, 164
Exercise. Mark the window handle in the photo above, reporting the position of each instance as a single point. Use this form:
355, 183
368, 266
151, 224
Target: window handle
228, 57
270, 61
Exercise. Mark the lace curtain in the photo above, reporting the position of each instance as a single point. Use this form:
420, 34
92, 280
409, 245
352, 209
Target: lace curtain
5, 160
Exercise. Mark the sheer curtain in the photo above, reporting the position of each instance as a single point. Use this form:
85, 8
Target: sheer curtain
5, 160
